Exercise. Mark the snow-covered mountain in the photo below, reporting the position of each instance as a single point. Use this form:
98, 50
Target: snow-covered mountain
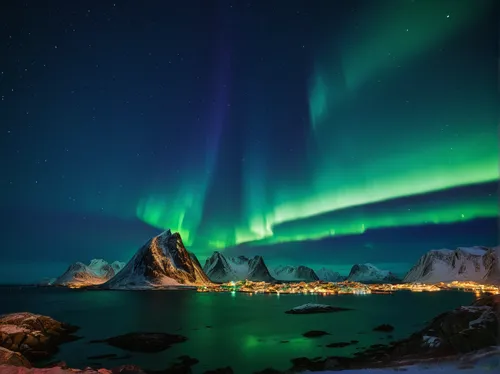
79, 274
478, 264
162, 262
117, 266
225, 269
369, 273
295, 273
258, 271
328, 275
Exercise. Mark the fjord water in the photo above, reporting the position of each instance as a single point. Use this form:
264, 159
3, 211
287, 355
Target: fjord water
245, 331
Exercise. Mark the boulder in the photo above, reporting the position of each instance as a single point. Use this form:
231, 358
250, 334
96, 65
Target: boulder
34, 336
8, 357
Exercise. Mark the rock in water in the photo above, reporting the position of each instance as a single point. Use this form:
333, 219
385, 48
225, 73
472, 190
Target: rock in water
384, 328
34, 336
314, 334
143, 341
315, 308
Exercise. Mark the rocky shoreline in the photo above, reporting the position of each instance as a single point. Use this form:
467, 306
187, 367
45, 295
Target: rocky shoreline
26, 339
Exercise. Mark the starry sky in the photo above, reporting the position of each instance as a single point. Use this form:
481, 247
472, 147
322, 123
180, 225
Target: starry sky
323, 133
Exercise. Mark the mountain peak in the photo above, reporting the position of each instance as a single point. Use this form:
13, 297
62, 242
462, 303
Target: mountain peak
220, 268
369, 273
476, 263
295, 273
162, 262
97, 272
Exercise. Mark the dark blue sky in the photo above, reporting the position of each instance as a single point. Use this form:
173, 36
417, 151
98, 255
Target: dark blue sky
322, 133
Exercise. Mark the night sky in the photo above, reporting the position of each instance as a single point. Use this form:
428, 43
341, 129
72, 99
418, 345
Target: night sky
323, 133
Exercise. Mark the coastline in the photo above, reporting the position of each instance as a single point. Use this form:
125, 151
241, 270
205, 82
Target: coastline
461, 332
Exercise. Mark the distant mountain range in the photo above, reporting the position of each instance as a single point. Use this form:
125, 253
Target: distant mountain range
225, 269
78, 274
478, 264
164, 262
368, 273
220, 268
295, 273
328, 275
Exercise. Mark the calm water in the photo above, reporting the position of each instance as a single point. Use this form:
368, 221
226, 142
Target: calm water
246, 332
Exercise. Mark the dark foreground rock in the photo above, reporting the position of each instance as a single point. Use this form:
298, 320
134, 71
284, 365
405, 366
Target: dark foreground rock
461, 331
315, 308
35, 336
149, 342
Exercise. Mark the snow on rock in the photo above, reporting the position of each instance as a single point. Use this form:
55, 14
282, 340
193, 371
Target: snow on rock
328, 275
99, 267
295, 273
79, 274
431, 341
163, 262
311, 308
478, 264
226, 269
369, 273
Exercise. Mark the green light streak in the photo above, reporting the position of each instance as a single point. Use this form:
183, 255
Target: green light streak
358, 220
439, 144
428, 177
180, 212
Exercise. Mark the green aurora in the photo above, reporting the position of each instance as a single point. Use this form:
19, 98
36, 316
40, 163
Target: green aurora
349, 169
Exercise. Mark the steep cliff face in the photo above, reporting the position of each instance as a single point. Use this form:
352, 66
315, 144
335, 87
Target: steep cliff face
162, 262
478, 264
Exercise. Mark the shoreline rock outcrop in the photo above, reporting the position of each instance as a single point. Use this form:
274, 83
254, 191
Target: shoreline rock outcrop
33, 336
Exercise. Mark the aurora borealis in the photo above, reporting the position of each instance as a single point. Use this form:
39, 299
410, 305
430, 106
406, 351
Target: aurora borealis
327, 133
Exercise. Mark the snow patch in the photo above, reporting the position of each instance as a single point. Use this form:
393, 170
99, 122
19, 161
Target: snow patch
311, 306
431, 341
